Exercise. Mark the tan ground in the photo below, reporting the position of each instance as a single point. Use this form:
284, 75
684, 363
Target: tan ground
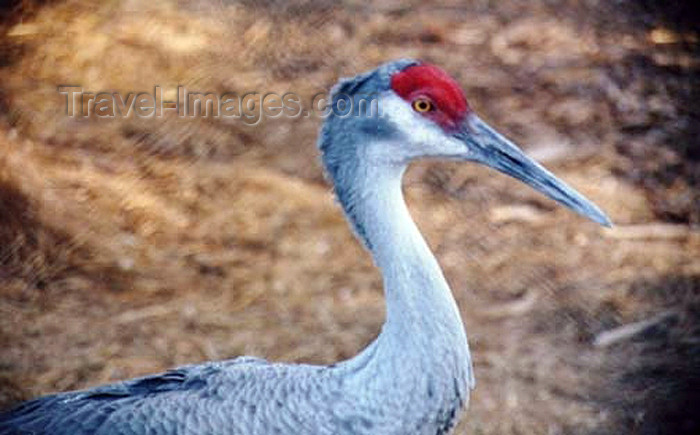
130, 246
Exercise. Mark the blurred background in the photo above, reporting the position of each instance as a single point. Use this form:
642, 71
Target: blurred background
130, 245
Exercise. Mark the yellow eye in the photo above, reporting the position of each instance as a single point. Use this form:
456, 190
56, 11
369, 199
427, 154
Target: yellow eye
422, 105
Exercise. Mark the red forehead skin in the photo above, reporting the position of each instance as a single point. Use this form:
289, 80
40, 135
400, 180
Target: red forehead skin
425, 80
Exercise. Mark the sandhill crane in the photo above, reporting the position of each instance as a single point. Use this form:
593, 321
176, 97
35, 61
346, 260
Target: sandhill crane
416, 376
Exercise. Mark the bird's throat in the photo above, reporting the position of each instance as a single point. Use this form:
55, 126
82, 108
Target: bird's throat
422, 319
422, 348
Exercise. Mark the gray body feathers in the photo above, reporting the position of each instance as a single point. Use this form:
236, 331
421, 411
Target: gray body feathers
241, 396
244, 396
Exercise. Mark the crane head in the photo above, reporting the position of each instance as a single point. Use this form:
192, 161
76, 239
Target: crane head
423, 113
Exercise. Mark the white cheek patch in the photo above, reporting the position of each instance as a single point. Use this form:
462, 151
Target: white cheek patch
423, 138
411, 124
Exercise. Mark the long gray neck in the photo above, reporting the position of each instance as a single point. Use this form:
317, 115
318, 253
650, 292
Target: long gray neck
423, 332
416, 291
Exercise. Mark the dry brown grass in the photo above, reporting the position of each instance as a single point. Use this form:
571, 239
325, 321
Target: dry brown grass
129, 246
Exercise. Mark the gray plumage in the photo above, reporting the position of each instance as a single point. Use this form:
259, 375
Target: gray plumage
414, 378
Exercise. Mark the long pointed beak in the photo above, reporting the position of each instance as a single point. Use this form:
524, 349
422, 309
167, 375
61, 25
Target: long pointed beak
488, 147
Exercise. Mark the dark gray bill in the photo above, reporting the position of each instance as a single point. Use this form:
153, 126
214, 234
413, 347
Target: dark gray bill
488, 147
